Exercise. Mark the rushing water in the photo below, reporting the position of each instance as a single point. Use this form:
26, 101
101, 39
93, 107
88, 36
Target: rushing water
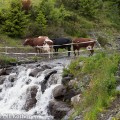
14, 94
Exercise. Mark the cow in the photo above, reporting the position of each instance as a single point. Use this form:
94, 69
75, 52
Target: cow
47, 46
64, 43
87, 43
38, 43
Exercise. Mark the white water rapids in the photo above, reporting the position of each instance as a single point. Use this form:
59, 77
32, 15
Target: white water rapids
13, 95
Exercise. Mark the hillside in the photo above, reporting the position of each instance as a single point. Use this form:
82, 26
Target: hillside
56, 18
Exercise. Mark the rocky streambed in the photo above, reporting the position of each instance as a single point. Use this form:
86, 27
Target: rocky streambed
34, 91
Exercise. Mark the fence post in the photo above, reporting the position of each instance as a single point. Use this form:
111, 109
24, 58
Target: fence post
5, 49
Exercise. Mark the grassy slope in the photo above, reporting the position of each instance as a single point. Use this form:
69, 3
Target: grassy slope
101, 90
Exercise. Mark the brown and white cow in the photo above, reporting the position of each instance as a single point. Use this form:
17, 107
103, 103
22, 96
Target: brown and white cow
87, 43
47, 46
39, 43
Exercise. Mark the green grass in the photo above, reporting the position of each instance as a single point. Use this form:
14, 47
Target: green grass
101, 90
5, 60
7, 41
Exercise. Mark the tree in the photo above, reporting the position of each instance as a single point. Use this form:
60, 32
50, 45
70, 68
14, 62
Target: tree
41, 23
16, 20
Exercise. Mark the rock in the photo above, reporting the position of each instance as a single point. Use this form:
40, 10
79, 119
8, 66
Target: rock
65, 80
69, 94
12, 78
58, 109
117, 116
9, 70
31, 98
118, 88
118, 79
76, 99
68, 115
72, 83
59, 92
2, 79
44, 82
44, 67
118, 73
3, 72
34, 72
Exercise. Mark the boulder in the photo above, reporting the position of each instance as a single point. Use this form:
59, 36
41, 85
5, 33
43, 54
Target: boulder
34, 72
58, 109
76, 99
69, 94
2, 79
59, 92
44, 67
65, 80
47, 76
12, 77
31, 98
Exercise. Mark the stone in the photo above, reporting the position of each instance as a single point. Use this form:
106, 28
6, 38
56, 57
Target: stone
34, 72
76, 99
65, 80
58, 109
31, 98
2, 79
59, 92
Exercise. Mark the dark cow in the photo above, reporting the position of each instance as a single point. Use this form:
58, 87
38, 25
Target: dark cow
79, 43
64, 43
41, 43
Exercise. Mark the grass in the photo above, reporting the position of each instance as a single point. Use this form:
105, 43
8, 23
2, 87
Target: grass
5, 60
8, 41
101, 90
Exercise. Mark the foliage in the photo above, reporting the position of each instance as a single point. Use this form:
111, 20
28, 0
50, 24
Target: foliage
101, 90
15, 21
56, 18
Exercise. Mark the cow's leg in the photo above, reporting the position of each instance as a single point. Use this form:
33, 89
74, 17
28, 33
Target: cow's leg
36, 50
90, 48
91, 52
56, 51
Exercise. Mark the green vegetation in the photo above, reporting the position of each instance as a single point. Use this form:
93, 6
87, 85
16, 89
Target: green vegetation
56, 18
101, 89
5, 60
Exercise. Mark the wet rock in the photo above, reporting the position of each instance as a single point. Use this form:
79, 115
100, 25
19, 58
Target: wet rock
59, 92
2, 79
28, 82
3, 72
34, 72
44, 67
44, 83
9, 70
65, 80
12, 78
69, 94
31, 97
58, 109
